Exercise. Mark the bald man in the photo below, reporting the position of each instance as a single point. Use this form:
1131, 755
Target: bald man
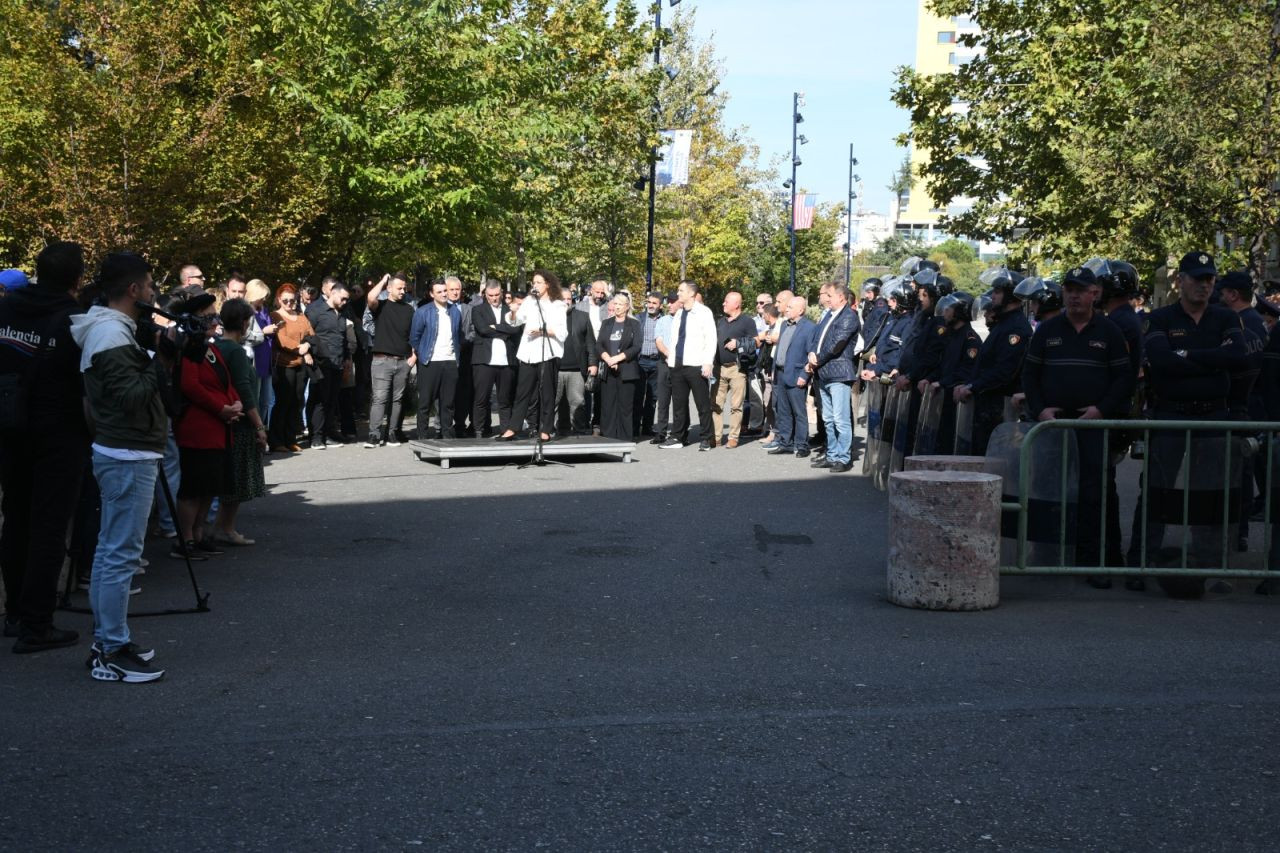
735, 333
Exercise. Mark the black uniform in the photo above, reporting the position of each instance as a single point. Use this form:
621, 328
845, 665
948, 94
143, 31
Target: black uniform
959, 355
1190, 365
997, 372
1073, 370
889, 346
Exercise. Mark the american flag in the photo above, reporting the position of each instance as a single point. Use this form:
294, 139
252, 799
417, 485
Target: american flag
802, 207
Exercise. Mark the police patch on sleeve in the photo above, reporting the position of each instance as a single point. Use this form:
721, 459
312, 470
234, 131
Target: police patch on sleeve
1014, 340
973, 352
942, 330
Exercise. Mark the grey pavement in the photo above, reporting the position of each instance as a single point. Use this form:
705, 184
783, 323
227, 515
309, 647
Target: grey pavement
689, 652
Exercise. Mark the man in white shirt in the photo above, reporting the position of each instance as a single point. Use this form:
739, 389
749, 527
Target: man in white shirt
693, 352
436, 336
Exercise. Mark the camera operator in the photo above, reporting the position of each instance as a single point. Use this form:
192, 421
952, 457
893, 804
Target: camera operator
123, 388
44, 454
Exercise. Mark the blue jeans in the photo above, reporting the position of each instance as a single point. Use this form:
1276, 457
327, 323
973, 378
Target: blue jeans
836, 403
173, 474
127, 491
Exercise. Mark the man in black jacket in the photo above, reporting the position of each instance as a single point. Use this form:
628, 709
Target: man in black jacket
332, 356
41, 461
577, 363
493, 360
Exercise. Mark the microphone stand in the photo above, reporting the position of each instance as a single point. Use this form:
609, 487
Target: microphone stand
538, 459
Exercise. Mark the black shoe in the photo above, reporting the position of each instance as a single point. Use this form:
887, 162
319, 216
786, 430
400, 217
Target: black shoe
822, 463
124, 665
839, 467
1270, 586
398, 438
780, 451
802, 454
671, 443
658, 439
1098, 581
12, 628
49, 638
192, 552
1221, 587
147, 655
206, 546
705, 445
818, 459
1242, 544
501, 437
1135, 584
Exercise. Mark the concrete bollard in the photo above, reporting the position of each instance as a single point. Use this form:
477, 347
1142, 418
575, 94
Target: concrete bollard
945, 463
944, 540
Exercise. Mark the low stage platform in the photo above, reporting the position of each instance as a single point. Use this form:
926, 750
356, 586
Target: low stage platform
445, 450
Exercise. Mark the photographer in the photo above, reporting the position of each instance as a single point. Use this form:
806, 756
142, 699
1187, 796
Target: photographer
44, 454
123, 388
210, 405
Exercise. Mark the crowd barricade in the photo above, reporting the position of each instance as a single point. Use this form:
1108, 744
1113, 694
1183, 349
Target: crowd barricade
1190, 493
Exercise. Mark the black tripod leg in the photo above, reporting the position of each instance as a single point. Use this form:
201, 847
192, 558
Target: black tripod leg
202, 601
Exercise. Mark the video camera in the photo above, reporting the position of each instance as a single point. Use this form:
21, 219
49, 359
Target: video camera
191, 331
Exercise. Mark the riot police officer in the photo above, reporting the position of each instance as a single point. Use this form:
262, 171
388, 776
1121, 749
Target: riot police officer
890, 339
959, 355
997, 373
1042, 296
1244, 399
1077, 367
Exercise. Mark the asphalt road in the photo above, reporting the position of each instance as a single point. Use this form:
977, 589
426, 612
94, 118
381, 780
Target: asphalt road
689, 652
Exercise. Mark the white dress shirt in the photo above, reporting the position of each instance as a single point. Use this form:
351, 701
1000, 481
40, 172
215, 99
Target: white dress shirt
539, 349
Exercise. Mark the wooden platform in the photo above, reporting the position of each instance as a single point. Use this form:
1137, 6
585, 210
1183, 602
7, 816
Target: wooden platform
445, 450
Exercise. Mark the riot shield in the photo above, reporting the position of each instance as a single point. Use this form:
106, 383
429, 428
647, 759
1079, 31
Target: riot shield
927, 423
964, 428
1194, 499
754, 404
875, 409
888, 427
856, 393
1053, 487
901, 432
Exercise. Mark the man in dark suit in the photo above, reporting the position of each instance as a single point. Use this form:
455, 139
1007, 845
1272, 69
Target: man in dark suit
578, 362
493, 359
618, 348
831, 361
790, 381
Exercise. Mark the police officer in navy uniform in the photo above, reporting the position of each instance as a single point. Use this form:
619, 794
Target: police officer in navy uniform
998, 371
1244, 400
1077, 367
960, 345
889, 343
1270, 382
1191, 349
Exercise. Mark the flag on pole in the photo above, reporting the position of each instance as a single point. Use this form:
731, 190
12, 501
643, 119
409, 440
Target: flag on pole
673, 158
803, 206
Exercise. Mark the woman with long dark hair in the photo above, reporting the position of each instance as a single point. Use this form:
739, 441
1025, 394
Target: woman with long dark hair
248, 437
544, 328
289, 372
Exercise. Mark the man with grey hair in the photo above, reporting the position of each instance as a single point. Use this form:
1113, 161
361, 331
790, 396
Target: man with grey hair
463, 393
831, 362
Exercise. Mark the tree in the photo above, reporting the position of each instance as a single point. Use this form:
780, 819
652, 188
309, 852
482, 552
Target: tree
1135, 129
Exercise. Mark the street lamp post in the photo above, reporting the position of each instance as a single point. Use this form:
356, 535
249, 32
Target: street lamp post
797, 100
848, 240
653, 153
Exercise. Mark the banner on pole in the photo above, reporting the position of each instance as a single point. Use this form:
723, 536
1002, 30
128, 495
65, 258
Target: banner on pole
673, 158
803, 205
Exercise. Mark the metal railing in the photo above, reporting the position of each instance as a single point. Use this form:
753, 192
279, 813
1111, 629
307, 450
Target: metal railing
1234, 439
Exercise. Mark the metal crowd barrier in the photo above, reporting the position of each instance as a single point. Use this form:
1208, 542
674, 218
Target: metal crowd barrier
1235, 437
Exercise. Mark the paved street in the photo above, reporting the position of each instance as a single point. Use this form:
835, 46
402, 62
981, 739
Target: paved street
689, 652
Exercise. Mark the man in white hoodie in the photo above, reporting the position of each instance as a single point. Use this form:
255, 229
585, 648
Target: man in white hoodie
130, 427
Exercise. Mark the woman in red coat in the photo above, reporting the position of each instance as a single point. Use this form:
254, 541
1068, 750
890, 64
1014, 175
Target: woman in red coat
211, 406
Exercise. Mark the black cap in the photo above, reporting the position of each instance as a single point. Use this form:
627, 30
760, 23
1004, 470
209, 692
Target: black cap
1079, 277
1197, 265
1238, 281
1267, 309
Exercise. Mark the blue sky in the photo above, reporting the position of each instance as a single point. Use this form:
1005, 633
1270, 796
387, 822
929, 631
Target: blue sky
842, 54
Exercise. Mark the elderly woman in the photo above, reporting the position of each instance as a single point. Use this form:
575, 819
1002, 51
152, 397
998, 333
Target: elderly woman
257, 293
248, 433
618, 347
542, 317
289, 369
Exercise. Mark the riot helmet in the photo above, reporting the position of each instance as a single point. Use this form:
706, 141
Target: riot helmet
926, 280
1119, 279
1002, 281
945, 285
915, 264
872, 285
1041, 295
959, 303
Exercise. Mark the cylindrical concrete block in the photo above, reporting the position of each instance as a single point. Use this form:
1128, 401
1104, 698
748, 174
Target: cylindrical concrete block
945, 463
944, 540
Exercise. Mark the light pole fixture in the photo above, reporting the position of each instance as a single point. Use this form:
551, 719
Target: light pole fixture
848, 213
797, 101
658, 34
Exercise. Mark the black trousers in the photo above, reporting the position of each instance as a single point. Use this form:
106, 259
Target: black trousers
484, 378
41, 474
617, 403
646, 391
542, 378
662, 408
289, 384
463, 395
323, 405
437, 383
683, 381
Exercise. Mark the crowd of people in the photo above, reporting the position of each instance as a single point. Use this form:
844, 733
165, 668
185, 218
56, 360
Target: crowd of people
108, 387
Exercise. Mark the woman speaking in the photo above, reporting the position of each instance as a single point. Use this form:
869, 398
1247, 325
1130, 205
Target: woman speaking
618, 347
545, 327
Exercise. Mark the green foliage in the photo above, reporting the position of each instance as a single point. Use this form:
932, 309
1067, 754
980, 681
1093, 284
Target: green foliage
1130, 128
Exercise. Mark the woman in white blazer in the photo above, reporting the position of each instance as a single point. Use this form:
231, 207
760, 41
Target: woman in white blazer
545, 327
